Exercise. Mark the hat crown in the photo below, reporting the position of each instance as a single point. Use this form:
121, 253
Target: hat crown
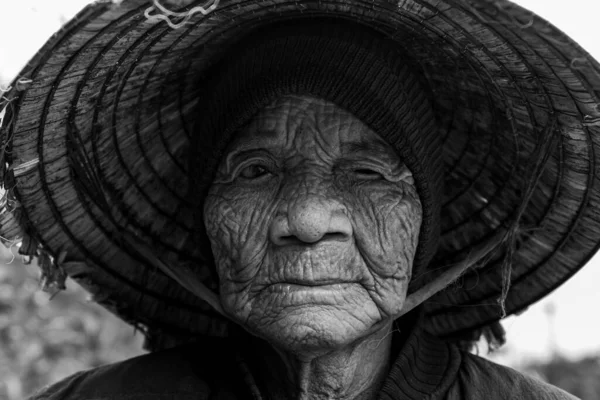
124, 92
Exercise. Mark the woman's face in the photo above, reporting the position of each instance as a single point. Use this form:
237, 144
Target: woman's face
313, 221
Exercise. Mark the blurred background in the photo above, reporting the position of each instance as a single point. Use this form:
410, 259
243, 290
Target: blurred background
44, 339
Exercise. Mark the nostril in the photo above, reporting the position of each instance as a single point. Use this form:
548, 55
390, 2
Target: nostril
293, 240
308, 222
335, 236
288, 240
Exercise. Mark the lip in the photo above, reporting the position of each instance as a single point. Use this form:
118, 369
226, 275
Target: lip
334, 246
320, 282
292, 287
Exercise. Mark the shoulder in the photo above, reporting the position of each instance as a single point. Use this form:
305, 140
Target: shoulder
198, 371
479, 378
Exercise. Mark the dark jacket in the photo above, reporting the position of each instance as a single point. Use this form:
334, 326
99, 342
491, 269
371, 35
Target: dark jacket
425, 368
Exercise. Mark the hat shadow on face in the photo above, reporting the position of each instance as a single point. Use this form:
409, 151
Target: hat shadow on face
115, 100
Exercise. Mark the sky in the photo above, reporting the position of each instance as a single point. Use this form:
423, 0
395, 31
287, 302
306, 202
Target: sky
573, 331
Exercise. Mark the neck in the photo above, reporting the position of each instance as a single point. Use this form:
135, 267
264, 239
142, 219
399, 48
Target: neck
353, 372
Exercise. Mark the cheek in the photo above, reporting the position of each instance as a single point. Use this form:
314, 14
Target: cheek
236, 223
400, 220
386, 225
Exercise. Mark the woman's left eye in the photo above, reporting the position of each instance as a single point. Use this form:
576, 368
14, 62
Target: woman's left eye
367, 174
253, 171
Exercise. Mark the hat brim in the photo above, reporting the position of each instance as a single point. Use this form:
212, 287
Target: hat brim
113, 95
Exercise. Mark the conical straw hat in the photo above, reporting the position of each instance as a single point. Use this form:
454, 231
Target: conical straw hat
112, 98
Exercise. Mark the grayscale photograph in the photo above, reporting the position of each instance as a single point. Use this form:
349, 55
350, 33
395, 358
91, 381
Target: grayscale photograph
299, 200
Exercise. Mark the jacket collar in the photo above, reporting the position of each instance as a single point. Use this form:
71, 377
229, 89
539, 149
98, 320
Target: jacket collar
424, 366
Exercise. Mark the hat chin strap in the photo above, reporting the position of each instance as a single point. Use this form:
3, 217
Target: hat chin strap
189, 280
182, 275
506, 235
454, 272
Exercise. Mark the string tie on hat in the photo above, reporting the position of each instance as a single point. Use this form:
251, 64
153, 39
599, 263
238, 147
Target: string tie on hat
169, 16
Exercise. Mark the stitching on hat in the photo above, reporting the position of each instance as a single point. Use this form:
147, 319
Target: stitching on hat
588, 120
549, 36
503, 8
169, 16
25, 167
23, 83
579, 63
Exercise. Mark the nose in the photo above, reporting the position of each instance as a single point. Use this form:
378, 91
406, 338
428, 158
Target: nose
310, 219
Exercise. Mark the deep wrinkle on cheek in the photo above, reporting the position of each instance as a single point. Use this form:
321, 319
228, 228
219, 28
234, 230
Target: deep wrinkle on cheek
390, 212
310, 177
249, 211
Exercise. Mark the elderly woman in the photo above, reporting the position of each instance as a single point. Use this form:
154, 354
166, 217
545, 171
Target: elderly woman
279, 194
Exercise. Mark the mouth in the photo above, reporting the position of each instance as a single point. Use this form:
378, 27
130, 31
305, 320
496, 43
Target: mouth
320, 282
310, 286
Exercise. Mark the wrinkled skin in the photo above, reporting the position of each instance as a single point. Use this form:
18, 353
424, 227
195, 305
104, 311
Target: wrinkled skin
313, 221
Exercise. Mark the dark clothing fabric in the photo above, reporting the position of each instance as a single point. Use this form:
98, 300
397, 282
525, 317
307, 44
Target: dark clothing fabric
425, 368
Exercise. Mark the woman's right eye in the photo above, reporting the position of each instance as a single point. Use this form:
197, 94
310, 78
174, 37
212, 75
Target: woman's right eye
367, 174
253, 171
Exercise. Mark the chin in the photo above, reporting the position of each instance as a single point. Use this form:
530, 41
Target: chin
314, 330
308, 321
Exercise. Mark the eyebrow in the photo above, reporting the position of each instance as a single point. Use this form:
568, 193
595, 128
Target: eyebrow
376, 149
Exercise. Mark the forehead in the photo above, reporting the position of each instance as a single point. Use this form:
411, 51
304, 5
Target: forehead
295, 121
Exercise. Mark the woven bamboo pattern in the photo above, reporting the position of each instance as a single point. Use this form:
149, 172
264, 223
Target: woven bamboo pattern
96, 135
